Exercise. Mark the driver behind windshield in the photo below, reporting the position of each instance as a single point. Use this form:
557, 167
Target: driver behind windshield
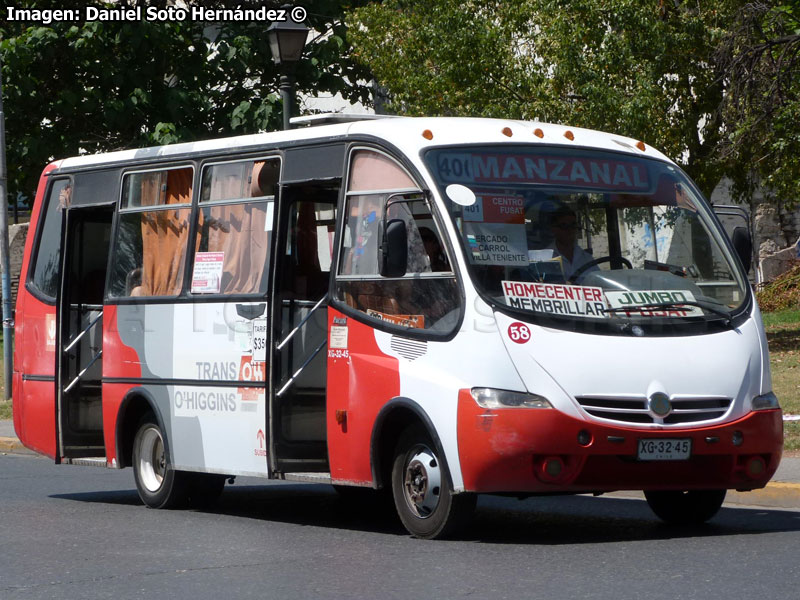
564, 227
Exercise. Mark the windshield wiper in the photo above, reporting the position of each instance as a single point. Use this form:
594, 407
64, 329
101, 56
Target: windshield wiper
675, 305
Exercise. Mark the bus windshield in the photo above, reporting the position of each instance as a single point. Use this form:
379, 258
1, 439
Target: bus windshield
589, 235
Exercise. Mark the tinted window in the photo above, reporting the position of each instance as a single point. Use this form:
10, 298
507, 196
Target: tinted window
47, 258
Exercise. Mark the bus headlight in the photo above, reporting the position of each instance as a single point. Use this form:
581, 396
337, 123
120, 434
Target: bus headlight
765, 402
492, 398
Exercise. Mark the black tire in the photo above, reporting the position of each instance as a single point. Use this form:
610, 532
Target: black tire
423, 497
158, 484
685, 508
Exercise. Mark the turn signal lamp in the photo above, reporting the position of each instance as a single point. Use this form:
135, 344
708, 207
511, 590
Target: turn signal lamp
765, 402
492, 398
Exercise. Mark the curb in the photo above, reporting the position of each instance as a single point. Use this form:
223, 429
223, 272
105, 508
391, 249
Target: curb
9, 445
777, 494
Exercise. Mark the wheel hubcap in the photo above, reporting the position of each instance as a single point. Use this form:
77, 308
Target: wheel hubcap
152, 460
422, 482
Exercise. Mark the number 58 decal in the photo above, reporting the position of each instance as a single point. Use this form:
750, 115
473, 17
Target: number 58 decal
519, 333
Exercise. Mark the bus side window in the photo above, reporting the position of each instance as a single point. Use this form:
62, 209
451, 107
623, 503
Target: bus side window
234, 227
44, 273
427, 296
153, 234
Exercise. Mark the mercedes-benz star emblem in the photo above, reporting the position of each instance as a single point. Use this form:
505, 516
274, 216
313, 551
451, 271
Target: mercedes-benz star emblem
659, 404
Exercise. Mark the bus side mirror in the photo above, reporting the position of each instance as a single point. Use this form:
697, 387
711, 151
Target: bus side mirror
740, 238
394, 249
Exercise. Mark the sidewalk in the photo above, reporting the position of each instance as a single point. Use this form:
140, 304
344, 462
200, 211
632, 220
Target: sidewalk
782, 492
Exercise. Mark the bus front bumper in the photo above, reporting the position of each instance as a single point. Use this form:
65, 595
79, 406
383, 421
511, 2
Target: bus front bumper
546, 451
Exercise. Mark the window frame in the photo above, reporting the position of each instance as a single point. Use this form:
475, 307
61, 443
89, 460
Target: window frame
198, 205
339, 303
120, 212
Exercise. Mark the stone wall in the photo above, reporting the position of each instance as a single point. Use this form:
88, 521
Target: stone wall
16, 249
775, 231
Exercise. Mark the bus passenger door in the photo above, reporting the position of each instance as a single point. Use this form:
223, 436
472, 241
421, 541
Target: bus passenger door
306, 224
79, 331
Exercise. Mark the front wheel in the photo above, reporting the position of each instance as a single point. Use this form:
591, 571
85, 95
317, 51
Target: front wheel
421, 488
685, 508
158, 484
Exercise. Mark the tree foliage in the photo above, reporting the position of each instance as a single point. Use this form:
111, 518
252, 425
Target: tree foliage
649, 70
760, 57
85, 87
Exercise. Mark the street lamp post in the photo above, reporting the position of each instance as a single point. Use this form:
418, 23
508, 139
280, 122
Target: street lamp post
286, 41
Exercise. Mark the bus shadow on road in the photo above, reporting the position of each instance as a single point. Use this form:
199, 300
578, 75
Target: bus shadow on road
554, 520
558, 520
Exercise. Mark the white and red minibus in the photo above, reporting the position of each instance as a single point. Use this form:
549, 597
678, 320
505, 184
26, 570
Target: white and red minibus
441, 307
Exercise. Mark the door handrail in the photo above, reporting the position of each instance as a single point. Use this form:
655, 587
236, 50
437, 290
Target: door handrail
292, 379
303, 322
78, 337
83, 372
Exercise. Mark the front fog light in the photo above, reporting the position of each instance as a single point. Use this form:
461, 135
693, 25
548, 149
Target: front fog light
765, 402
492, 398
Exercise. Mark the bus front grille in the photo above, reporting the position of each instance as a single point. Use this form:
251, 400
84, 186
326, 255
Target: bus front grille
635, 409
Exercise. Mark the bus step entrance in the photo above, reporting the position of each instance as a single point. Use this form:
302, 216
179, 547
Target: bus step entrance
299, 400
89, 461
308, 477
80, 398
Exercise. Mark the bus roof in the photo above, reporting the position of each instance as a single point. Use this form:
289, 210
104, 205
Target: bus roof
410, 134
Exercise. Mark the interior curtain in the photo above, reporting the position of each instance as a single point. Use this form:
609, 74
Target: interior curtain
240, 231
164, 232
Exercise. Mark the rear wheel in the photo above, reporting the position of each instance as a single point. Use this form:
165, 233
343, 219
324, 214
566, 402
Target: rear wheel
158, 484
685, 508
421, 488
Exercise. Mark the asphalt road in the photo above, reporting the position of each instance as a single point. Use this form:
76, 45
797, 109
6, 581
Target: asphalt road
79, 532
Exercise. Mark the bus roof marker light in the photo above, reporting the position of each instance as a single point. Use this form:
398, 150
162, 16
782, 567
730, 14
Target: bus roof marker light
427, 134
569, 135
538, 132
507, 131
640, 145
460, 194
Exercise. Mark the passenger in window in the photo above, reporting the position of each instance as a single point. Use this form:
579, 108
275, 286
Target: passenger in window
133, 283
434, 250
564, 226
